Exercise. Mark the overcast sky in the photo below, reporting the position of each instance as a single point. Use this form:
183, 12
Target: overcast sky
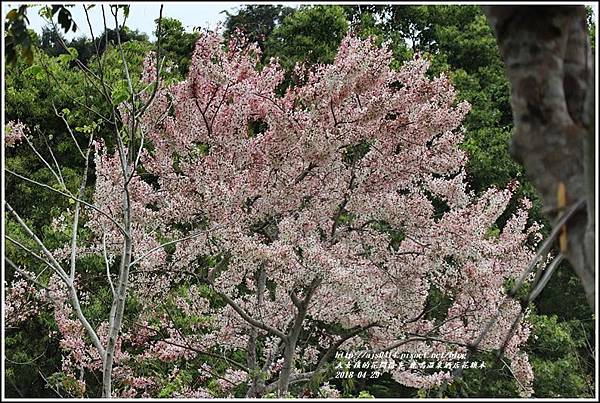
142, 15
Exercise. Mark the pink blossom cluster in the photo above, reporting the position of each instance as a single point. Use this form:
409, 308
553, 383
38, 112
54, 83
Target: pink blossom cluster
231, 379
339, 180
23, 300
328, 391
14, 132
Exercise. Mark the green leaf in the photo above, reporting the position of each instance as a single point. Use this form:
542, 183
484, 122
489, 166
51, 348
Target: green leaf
125, 10
363, 394
36, 71
64, 58
120, 95
27, 53
120, 92
74, 53
45, 12
12, 14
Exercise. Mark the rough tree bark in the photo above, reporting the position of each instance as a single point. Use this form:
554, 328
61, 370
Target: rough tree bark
549, 64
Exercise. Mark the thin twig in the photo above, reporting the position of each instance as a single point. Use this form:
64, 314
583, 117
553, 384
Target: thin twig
62, 116
25, 274
70, 196
112, 288
29, 251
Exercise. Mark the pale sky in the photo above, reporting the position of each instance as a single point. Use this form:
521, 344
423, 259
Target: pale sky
142, 15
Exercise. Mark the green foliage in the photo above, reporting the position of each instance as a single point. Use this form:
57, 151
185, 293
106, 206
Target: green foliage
32, 92
66, 385
176, 44
437, 305
183, 379
35, 71
557, 356
16, 35
495, 379
591, 27
382, 387
363, 394
52, 41
256, 22
30, 350
310, 35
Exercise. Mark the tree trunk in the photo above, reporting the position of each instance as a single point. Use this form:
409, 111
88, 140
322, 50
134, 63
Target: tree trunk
548, 62
116, 315
292, 337
118, 305
256, 381
288, 364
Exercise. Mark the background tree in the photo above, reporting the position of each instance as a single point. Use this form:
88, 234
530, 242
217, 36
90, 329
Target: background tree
316, 31
177, 44
63, 286
256, 22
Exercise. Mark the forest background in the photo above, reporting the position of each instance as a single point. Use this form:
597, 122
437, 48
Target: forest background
458, 42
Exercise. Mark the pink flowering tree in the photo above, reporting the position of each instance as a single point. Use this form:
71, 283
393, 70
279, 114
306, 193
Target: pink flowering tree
271, 232
313, 222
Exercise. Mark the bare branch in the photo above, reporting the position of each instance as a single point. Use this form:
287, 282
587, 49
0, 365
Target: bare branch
209, 354
58, 178
512, 373
294, 378
70, 196
30, 252
58, 170
557, 228
304, 173
54, 388
106, 91
54, 263
544, 280
248, 318
78, 208
62, 116
63, 275
86, 71
192, 236
159, 65
25, 274
127, 77
106, 262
